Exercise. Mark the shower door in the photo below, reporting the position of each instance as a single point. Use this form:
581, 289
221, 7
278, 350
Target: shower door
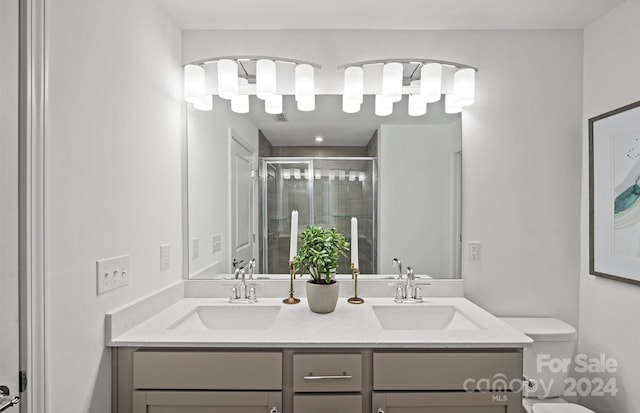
326, 192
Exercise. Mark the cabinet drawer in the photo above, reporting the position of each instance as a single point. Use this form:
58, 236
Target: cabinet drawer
447, 402
327, 403
446, 370
327, 372
207, 370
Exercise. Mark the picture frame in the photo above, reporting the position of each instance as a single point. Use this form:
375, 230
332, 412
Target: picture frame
614, 194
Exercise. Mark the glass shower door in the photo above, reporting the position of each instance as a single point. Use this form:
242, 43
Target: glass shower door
325, 192
345, 188
286, 189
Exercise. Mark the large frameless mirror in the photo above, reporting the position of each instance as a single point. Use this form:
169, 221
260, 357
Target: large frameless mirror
400, 175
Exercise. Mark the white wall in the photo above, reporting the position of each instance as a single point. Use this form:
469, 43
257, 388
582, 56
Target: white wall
414, 167
609, 309
521, 143
113, 135
209, 181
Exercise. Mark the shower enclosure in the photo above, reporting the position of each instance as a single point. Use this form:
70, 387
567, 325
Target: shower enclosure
326, 192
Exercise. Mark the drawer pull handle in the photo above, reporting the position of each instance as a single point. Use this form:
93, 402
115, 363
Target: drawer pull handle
328, 377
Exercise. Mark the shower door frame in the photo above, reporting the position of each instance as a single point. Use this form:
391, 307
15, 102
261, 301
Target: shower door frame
264, 233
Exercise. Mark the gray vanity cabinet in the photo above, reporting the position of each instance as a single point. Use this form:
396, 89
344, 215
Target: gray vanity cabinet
317, 380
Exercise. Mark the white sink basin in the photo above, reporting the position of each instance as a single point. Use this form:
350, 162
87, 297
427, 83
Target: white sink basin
228, 317
423, 317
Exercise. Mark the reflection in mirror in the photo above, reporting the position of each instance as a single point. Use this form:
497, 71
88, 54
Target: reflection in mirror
326, 192
414, 211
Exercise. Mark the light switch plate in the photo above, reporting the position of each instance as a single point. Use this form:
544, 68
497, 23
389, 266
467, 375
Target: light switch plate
112, 273
165, 257
216, 243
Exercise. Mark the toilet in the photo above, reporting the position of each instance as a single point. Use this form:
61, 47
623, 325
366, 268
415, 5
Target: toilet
553, 343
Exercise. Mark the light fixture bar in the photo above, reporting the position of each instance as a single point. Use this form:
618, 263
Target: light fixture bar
415, 61
256, 58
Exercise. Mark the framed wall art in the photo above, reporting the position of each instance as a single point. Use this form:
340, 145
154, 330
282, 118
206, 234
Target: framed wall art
614, 194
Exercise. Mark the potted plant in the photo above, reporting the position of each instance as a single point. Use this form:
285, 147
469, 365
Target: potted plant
318, 255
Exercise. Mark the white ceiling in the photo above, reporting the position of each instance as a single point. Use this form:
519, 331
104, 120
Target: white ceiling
384, 14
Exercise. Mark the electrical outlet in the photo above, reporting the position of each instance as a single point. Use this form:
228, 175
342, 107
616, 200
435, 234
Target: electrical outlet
112, 273
474, 250
195, 248
216, 243
165, 257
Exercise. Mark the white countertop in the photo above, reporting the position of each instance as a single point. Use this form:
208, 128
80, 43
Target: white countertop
297, 327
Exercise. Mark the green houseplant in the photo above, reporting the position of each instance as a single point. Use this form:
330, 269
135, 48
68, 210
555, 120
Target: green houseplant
318, 255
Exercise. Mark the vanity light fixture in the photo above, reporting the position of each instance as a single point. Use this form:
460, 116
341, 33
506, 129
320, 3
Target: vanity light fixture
235, 78
422, 80
318, 139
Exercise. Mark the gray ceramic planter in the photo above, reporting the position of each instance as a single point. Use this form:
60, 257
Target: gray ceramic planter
322, 298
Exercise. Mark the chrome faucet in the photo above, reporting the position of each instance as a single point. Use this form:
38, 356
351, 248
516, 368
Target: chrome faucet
240, 294
397, 263
410, 293
252, 265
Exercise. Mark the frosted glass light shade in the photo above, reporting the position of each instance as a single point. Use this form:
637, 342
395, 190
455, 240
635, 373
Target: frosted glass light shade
384, 106
306, 103
194, 83
265, 78
227, 78
431, 82
353, 89
240, 103
273, 104
417, 105
305, 87
392, 81
464, 82
451, 104
204, 104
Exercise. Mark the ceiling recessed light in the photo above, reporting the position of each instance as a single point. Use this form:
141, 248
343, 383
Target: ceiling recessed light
318, 138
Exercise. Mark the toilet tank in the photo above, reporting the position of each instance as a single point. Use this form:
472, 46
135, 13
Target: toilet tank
548, 360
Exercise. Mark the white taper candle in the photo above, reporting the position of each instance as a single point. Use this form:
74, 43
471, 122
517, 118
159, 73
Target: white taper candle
293, 251
354, 241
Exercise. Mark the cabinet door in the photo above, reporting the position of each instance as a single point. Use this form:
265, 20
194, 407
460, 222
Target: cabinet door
206, 402
450, 402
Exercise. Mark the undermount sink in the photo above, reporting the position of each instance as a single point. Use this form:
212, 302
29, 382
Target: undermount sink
423, 317
231, 317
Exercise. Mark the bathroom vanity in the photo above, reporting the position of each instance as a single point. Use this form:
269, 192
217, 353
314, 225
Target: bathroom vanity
451, 356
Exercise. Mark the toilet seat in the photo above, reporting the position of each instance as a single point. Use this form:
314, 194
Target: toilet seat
559, 408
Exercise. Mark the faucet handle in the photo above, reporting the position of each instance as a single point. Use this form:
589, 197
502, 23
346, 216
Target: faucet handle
417, 293
399, 293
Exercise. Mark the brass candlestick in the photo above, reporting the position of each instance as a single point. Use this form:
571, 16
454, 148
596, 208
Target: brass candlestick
291, 299
355, 299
